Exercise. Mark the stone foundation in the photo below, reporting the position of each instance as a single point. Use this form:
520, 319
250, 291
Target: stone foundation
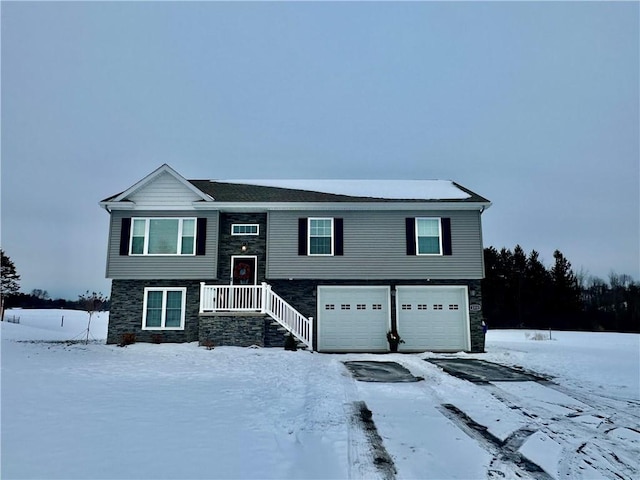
127, 299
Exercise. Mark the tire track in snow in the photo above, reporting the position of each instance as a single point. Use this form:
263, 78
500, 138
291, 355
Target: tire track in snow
584, 426
361, 451
580, 428
507, 460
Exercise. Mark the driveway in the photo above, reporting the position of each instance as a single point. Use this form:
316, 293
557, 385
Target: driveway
522, 425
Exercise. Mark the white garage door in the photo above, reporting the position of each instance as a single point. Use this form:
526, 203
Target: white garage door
434, 318
353, 319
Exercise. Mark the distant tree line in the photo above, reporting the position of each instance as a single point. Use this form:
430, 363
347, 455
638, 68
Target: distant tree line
520, 292
40, 299
11, 297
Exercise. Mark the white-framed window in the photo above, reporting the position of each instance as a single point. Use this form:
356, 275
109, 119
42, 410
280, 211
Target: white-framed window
320, 236
164, 308
163, 236
428, 236
245, 229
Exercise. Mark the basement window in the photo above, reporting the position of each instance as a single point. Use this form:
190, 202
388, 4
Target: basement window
163, 308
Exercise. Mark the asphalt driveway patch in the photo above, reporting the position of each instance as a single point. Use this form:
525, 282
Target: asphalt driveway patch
385, 372
481, 371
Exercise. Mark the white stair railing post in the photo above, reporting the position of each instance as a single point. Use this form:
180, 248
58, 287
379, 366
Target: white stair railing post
264, 298
201, 297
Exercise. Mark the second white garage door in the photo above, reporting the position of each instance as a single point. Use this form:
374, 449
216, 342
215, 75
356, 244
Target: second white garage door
353, 318
433, 318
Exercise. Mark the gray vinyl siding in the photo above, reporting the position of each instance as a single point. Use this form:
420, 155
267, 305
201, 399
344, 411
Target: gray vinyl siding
375, 248
160, 267
165, 190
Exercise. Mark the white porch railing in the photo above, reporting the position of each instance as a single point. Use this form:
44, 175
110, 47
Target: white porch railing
256, 298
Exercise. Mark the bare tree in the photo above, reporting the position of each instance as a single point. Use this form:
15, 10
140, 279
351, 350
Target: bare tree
91, 303
40, 294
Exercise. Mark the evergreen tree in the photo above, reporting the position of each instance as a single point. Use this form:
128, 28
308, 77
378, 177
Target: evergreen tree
537, 281
10, 280
519, 269
566, 293
494, 288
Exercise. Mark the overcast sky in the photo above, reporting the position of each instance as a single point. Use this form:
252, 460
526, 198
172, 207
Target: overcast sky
532, 105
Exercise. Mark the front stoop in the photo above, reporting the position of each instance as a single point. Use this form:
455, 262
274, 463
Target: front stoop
240, 330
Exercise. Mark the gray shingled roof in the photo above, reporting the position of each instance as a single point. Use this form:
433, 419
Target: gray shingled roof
238, 192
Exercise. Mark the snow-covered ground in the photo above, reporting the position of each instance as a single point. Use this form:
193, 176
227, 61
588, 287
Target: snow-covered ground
179, 411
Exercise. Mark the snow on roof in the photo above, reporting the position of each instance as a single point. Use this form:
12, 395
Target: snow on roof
388, 189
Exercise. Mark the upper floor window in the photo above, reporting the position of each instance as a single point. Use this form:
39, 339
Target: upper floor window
428, 236
163, 236
245, 229
321, 236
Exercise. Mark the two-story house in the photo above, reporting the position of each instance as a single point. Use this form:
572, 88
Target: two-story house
339, 264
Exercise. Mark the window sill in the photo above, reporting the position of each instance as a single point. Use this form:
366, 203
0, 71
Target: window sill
161, 329
162, 255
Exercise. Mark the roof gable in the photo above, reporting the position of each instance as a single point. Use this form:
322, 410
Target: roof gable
162, 186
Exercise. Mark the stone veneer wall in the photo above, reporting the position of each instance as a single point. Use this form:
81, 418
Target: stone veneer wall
127, 299
240, 331
302, 294
125, 316
229, 245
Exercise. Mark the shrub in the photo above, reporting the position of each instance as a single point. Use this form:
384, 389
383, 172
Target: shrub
127, 339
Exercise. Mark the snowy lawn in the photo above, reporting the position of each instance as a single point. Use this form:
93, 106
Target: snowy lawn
179, 411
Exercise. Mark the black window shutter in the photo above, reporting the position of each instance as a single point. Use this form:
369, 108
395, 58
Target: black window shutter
201, 236
411, 235
125, 233
446, 236
338, 236
302, 236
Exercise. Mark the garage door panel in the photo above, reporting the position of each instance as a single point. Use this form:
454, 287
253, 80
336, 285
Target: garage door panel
433, 318
353, 318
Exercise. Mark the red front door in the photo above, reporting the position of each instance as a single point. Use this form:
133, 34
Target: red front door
243, 270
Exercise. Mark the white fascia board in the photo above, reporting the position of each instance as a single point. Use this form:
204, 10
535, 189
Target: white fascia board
358, 206
283, 206
131, 206
108, 206
159, 171
176, 208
